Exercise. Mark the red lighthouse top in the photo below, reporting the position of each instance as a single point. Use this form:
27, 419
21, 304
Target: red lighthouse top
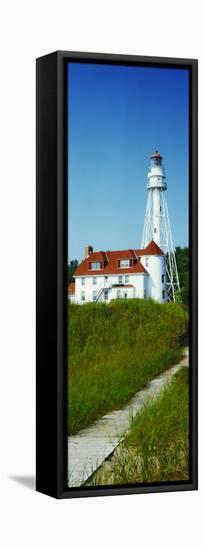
156, 155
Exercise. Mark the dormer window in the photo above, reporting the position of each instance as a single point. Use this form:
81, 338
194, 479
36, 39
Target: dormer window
97, 262
124, 263
95, 265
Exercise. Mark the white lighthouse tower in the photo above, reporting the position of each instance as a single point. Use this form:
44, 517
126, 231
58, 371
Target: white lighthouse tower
157, 224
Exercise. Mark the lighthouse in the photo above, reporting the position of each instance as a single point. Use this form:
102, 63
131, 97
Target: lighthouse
157, 225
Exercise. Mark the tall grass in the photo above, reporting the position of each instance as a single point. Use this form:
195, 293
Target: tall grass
114, 349
156, 447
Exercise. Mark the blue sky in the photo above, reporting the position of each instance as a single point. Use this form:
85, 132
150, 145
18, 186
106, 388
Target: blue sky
117, 116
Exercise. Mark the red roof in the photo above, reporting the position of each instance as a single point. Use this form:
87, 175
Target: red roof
110, 267
110, 261
153, 249
71, 288
97, 257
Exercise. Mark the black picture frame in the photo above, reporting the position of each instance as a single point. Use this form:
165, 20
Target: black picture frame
51, 238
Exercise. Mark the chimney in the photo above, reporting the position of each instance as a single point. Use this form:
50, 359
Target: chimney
87, 251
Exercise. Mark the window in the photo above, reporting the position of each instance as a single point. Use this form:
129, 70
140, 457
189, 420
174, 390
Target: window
126, 278
94, 295
163, 278
83, 296
145, 293
94, 280
120, 279
124, 263
147, 262
155, 230
105, 294
156, 161
163, 294
83, 281
95, 265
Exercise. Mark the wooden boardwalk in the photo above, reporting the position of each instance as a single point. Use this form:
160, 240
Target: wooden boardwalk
88, 449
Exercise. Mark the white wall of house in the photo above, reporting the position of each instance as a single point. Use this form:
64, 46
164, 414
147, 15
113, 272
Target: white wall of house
71, 297
92, 287
156, 266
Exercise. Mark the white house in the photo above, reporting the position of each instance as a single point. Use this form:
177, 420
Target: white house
104, 276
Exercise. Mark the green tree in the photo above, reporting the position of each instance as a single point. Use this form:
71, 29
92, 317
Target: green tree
182, 259
71, 270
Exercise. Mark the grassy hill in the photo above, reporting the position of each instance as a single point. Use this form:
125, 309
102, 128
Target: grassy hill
114, 350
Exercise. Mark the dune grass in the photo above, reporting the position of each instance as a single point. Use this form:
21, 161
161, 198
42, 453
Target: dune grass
115, 349
156, 447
